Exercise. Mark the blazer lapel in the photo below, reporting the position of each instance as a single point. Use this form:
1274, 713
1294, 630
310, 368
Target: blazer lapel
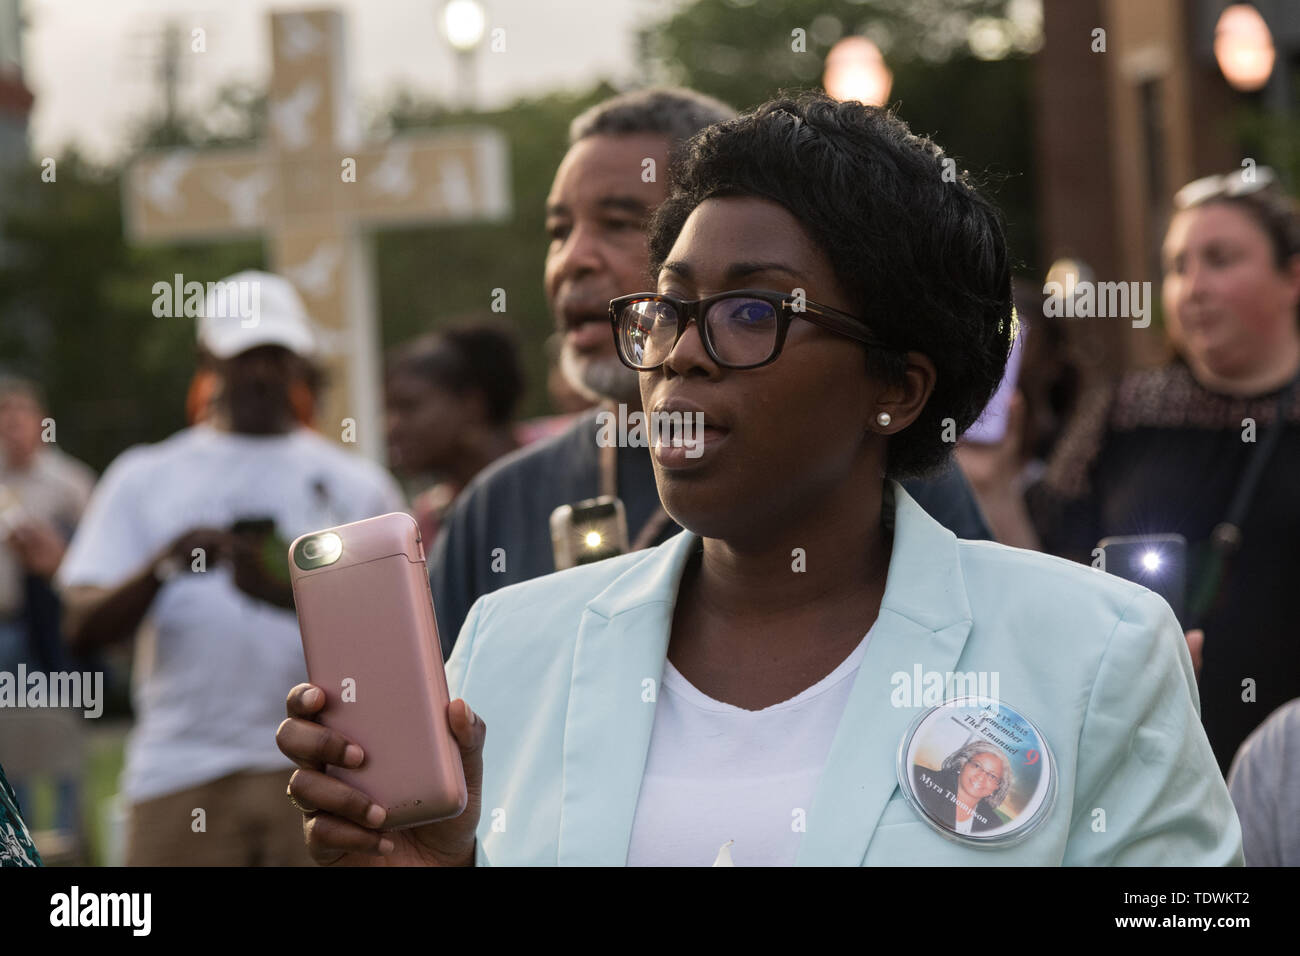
619, 655
923, 624
618, 664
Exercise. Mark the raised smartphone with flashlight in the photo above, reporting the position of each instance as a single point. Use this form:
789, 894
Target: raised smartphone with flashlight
587, 531
371, 643
1155, 561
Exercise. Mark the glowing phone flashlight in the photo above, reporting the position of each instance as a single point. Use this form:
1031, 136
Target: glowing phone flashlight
588, 531
1155, 561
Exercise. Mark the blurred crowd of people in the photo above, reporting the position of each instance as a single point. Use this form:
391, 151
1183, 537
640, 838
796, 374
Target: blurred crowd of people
1150, 451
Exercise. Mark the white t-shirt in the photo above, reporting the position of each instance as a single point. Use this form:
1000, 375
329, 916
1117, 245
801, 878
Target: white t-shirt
213, 665
716, 772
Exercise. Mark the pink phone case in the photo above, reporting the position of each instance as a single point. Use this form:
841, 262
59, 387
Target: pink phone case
368, 618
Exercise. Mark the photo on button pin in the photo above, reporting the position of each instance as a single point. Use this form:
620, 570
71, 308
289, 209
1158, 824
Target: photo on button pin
978, 773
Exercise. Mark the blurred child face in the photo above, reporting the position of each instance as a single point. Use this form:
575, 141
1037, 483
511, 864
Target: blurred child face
1230, 309
425, 423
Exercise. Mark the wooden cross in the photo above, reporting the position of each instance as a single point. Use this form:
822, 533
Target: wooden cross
313, 192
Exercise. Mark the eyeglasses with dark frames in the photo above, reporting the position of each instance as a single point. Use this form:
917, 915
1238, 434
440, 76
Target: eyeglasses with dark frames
740, 329
992, 777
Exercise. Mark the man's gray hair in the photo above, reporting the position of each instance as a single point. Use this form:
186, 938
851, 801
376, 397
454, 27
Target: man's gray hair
671, 111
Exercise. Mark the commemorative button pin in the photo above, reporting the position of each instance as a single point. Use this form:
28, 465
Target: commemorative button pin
977, 771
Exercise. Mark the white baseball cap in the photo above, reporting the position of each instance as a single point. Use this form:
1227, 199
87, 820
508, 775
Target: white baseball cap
251, 308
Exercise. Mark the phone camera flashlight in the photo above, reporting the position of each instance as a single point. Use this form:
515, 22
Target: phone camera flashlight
1151, 561
322, 547
318, 550
593, 539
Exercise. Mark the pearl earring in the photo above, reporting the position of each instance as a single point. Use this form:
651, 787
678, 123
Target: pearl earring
884, 419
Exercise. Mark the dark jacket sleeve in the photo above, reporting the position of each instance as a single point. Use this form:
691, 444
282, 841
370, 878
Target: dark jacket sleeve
452, 570
497, 533
948, 499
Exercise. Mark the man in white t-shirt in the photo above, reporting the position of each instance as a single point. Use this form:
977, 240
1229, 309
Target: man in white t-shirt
184, 541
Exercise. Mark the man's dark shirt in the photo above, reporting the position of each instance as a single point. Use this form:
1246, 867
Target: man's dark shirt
509, 504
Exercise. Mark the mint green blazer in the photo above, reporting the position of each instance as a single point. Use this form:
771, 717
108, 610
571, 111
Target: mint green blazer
558, 668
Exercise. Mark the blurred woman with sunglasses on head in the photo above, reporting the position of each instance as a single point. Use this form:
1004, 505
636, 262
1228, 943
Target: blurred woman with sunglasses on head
1208, 446
832, 305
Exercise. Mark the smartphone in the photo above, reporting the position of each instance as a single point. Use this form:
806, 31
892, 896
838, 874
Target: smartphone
260, 527
265, 541
1155, 561
587, 531
258, 560
371, 643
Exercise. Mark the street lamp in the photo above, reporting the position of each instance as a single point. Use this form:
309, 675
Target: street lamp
1243, 45
855, 70
464, 23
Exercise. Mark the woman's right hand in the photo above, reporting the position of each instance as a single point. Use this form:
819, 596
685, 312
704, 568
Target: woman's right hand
342, 825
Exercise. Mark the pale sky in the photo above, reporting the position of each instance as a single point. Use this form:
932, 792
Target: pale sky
93, 63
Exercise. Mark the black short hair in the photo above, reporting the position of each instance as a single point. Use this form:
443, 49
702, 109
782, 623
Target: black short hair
921, 254
674, 112
478, 355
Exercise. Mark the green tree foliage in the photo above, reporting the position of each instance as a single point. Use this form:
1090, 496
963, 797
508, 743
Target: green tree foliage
979, 110
1271, 139
76, 299
431, 276
76, 310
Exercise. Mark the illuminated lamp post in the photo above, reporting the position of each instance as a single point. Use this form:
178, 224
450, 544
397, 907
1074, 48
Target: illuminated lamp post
855, 70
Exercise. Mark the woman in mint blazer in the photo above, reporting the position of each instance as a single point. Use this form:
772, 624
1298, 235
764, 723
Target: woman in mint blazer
835, 301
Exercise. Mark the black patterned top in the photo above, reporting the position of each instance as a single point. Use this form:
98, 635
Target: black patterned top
1156, 453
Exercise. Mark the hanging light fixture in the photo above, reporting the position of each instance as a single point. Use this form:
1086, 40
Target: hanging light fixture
855, 70
1243, 45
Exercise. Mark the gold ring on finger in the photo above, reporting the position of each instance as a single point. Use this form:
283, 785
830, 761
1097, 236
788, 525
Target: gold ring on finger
294, 801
